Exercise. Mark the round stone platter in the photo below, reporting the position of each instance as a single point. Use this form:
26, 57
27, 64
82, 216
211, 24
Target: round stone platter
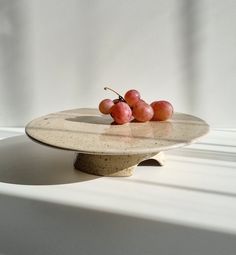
106, 149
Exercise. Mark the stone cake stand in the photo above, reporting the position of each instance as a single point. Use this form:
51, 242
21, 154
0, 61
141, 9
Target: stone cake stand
102, 148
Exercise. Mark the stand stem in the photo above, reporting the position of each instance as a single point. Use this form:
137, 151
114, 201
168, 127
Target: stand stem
112, 165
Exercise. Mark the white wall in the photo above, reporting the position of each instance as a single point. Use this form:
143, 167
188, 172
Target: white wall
59, 54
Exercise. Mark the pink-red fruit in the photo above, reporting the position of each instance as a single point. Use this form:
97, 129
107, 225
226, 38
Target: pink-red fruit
105, 106
142, 111
121, 113
163, 110
132, 97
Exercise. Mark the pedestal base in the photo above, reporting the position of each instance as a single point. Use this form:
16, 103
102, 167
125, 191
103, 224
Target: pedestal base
112, 165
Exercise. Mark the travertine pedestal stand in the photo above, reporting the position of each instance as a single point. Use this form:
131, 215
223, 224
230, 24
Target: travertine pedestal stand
104, 149
113, 165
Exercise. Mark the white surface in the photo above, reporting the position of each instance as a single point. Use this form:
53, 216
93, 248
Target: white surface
185, 207
59, 54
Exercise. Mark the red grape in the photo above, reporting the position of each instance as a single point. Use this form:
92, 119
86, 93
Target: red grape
163, 110
121, 113
142, 111
132, 97
105, 106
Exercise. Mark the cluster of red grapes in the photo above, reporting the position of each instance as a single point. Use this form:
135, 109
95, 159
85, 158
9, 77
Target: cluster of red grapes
132, 107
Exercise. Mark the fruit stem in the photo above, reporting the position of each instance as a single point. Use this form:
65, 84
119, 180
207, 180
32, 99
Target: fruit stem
120, 97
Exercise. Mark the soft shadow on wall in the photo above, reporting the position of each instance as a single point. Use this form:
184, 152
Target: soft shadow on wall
16, 88
59, 54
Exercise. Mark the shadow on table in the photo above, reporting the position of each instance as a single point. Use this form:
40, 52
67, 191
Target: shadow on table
23, 161
103, 120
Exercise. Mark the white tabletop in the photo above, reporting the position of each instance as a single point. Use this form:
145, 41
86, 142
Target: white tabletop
195, 189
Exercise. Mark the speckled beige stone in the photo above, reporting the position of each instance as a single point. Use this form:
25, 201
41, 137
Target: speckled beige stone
111, 165
86, 131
